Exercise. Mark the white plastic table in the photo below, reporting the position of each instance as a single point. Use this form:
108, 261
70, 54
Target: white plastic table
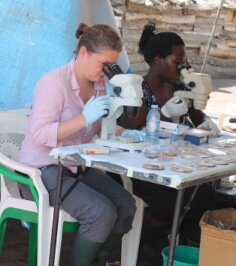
130, 165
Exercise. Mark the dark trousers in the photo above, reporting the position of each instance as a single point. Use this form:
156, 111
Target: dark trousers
99, 203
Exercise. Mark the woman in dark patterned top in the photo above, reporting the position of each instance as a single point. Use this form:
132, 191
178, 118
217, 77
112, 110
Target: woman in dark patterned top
163, 52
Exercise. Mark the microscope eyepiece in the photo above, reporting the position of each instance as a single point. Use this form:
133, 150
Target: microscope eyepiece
111, 70
185, 65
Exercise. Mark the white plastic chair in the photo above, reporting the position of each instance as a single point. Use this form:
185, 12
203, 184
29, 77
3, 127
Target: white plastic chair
13, 126
226, 115
11, 136
130, 241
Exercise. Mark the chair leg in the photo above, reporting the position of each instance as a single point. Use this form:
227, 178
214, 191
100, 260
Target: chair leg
130, 241
32, 251
3, 226
58, 243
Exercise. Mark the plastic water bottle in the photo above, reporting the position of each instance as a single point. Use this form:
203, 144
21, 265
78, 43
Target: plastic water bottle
153, 125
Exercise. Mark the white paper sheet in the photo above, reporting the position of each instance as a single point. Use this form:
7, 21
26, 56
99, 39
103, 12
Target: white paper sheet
133, 162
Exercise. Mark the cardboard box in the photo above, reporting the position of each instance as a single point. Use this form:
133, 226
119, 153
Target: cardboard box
173, 128
196, 136
218, 246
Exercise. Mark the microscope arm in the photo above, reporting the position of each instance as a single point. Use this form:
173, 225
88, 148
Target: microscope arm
199, 87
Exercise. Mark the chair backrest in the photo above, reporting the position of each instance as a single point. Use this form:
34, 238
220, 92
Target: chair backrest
12, 132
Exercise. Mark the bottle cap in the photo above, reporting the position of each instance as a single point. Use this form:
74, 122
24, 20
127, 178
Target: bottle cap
154, 106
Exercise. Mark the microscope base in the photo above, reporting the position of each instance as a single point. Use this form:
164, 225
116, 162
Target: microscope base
135, 146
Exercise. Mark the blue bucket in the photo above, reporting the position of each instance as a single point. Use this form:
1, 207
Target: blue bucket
184, 256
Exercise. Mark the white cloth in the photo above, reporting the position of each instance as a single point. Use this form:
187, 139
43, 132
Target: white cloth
94, 12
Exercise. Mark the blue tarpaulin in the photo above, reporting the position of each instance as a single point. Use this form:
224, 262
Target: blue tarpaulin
39, 35
36, 36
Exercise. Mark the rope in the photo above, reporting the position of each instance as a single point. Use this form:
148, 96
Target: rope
211, 37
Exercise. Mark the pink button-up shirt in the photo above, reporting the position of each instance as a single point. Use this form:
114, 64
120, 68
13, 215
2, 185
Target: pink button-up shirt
57, 98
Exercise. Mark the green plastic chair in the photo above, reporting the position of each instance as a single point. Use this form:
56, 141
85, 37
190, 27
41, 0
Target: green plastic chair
38, 212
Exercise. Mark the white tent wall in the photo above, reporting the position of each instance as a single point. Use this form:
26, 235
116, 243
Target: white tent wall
101, 11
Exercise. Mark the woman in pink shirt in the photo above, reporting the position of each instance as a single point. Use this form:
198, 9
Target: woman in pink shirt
67, 109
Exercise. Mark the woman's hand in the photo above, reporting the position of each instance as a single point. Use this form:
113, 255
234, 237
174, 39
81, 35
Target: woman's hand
208, 124
96, 108
137, 134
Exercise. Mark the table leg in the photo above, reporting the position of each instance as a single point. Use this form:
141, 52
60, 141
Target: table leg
56, 214
175, 226
186, 208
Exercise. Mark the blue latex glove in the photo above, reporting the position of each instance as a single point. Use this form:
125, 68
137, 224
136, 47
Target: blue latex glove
95, 108
138, 134
129, 70
109, 89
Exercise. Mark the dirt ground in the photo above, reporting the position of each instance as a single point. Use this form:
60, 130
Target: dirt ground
15, 248
223, 95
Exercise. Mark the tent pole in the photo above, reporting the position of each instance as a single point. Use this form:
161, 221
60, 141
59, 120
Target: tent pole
212, 35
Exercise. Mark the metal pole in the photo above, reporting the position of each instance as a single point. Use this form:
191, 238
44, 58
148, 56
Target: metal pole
186, 208
175, 226
212, 35
56, 214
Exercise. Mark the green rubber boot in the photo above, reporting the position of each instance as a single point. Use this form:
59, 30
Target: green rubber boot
84, 251
112, 241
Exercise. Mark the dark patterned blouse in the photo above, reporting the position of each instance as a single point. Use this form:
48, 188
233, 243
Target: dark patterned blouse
150, 99
148, 96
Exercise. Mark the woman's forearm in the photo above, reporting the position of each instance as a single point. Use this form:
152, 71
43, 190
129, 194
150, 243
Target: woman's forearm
71, 126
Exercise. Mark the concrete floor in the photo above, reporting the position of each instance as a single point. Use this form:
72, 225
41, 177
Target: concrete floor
224, 93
